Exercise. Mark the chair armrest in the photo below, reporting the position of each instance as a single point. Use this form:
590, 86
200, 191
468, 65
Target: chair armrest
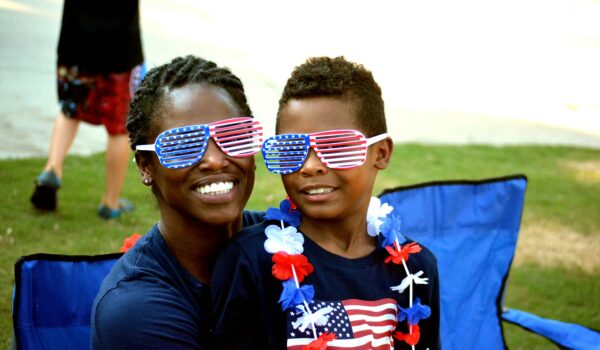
565, 335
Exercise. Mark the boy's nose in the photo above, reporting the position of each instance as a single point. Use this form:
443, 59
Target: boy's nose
313, 165
213, 157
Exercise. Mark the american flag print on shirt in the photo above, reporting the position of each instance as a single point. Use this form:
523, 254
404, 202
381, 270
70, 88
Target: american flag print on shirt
357, 324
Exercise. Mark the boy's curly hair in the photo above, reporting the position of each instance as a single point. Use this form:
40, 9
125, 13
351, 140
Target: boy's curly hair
146, 106
338, 78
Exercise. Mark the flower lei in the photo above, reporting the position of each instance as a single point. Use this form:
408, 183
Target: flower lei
291, 267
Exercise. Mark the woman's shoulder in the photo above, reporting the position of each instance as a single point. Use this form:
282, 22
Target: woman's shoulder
146, 265
252, 217
247, 246
132, 294
252, 234
148, 294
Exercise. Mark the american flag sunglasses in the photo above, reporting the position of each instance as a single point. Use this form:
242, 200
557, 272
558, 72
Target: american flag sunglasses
337, 149
184, 146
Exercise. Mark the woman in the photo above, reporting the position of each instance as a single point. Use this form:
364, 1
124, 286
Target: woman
194, 147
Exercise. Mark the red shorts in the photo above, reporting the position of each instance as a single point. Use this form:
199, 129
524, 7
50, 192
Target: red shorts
97, 98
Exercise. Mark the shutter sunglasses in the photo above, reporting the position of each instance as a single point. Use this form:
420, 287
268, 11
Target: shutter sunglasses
337, 149
184, 146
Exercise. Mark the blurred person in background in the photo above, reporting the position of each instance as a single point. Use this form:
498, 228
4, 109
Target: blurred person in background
100, 62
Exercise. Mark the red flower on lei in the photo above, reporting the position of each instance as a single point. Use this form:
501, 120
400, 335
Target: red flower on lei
129, 242
321, 342
398, 254
282, 269
409, 338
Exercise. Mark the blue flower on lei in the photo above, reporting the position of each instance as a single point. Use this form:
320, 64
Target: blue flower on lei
390, 230
415, 313
292, 295
285, 213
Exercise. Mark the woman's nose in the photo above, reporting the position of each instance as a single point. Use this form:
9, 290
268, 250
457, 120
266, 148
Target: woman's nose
213, 157
313, 165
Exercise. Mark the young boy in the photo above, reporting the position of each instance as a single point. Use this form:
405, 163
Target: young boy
322, 275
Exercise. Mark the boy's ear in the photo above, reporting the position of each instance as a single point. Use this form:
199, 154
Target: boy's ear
384, 149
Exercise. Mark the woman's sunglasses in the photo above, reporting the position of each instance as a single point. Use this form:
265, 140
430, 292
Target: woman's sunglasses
337, 149
184, 146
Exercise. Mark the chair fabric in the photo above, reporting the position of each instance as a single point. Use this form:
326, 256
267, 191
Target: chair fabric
472, 228
53, 299
565, 335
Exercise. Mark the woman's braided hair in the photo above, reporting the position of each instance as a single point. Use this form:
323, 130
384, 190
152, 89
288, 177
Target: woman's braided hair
146, 106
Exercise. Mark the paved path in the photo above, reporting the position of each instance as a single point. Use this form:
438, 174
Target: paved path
518, 86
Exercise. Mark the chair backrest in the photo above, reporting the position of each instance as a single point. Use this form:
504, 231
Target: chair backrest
53, 299
472, 228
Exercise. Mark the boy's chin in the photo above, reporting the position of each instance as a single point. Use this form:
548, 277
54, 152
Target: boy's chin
314, 212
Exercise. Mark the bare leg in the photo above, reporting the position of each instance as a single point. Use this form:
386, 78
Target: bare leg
63, 134
117, 160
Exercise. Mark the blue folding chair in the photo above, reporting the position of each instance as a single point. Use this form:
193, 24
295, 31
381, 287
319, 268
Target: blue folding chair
472, 228
53, 299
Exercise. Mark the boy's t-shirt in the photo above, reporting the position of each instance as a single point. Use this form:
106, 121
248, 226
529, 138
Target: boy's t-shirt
357, 291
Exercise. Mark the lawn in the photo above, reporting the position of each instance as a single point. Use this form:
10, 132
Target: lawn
556, 268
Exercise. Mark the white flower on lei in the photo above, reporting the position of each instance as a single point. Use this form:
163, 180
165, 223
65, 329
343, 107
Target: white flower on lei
375, 214
288, 240
411, 278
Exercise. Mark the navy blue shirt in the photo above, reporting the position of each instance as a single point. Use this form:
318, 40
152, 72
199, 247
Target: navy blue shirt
248, 315
150, 301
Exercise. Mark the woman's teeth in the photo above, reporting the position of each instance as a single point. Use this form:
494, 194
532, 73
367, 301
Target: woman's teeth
319, 190
215, 188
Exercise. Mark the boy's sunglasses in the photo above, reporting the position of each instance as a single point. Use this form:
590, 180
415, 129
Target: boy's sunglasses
184, 146
337, 149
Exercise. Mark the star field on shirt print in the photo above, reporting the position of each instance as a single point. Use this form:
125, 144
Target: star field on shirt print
357, 324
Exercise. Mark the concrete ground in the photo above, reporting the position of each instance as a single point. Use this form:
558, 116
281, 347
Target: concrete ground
449, 75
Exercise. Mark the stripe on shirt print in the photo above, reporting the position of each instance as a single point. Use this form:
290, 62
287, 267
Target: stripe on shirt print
357, 324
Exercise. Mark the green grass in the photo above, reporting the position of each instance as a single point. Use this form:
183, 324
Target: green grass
555, 193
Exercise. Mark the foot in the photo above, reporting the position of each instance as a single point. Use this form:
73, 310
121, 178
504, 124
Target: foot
44, 194
125, 206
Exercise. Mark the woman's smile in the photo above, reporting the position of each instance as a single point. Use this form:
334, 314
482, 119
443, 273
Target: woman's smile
217, 191
215, 188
